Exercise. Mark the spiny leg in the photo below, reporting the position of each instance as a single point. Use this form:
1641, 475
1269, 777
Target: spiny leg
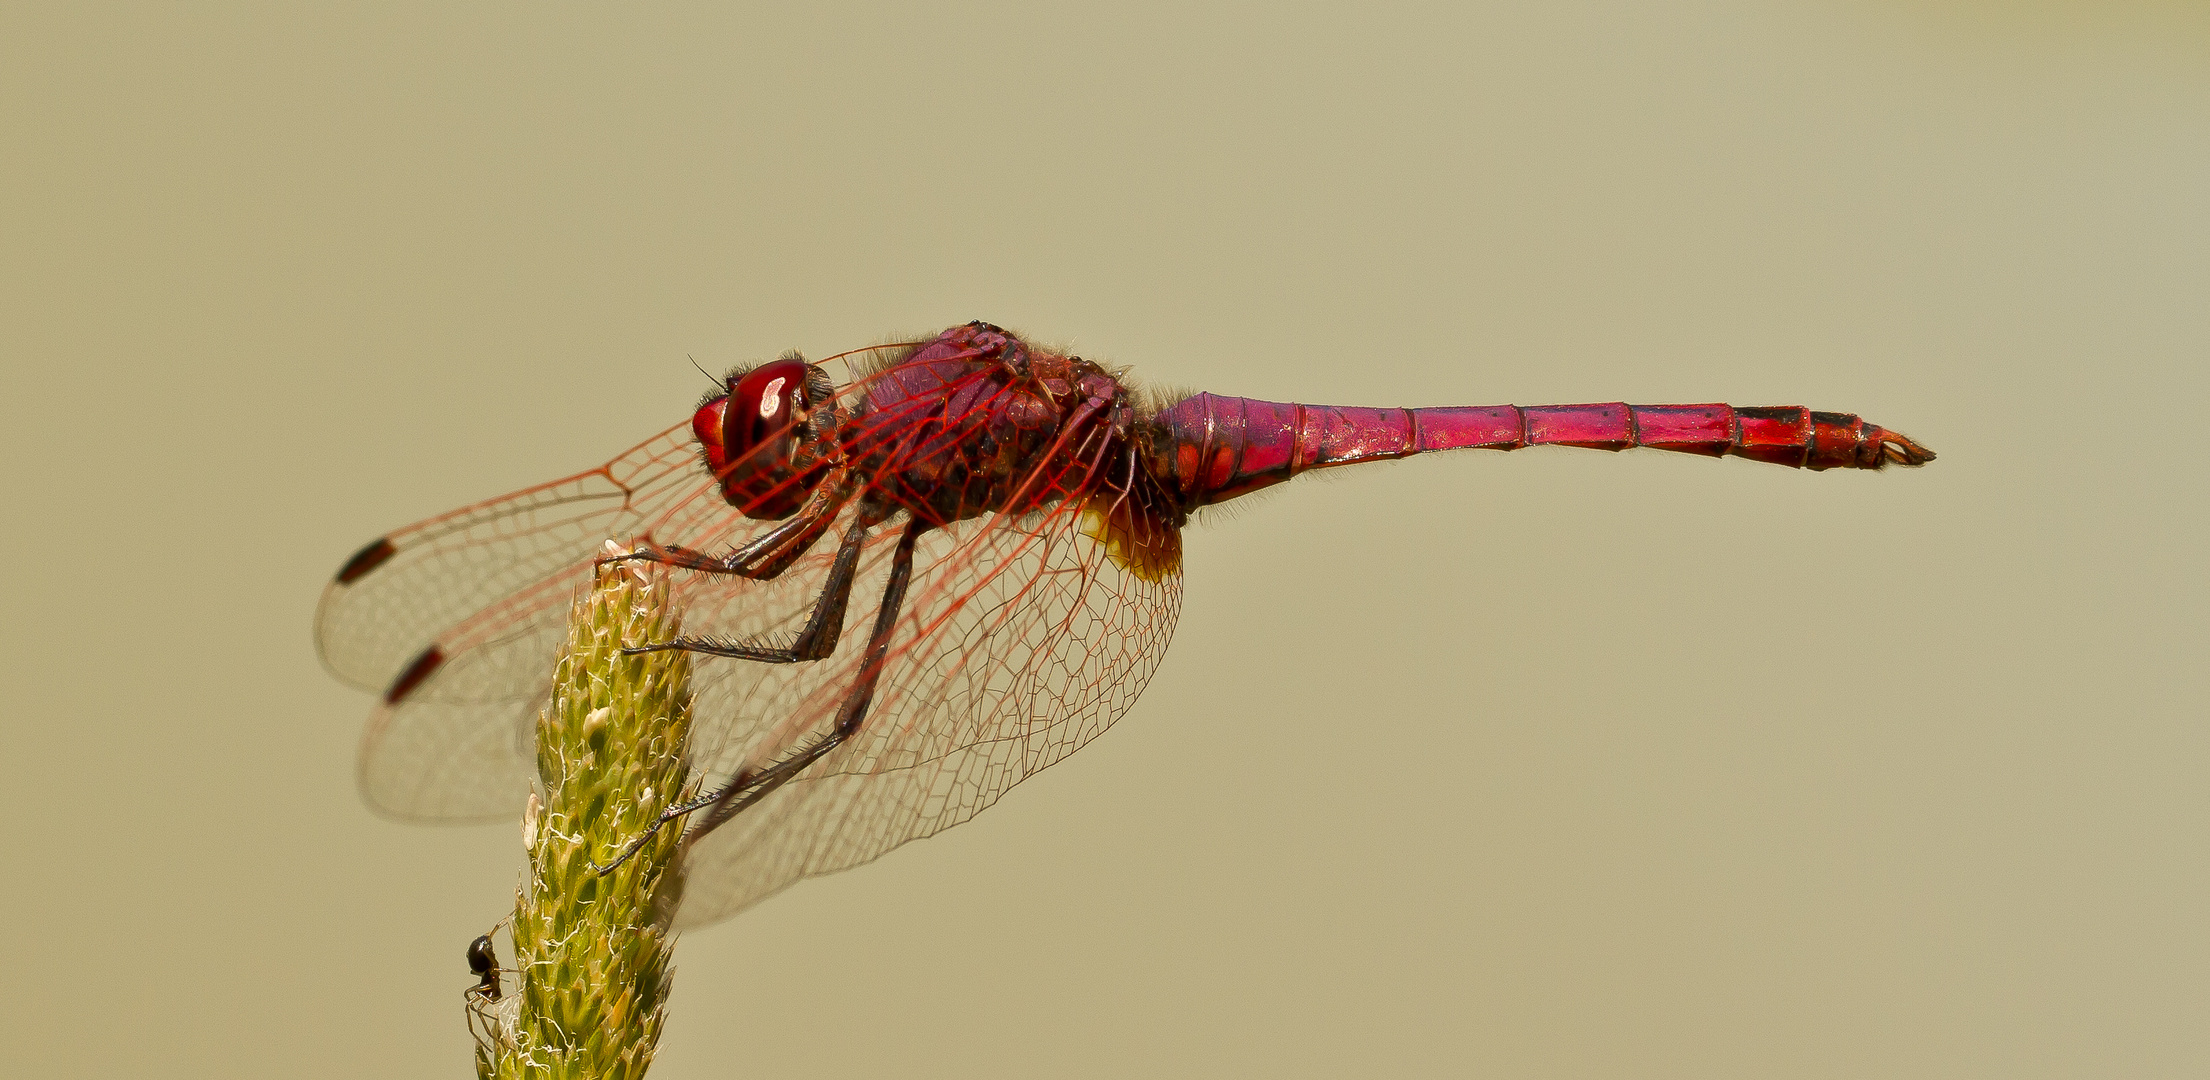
817, 639
853, 712
766, 556
749, 787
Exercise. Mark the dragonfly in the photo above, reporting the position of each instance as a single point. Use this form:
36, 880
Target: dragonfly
1009, 517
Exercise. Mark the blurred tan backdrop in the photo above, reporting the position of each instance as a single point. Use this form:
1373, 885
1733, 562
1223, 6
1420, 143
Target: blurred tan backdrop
1554, 764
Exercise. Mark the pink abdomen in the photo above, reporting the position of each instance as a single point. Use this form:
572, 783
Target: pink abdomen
1219, 447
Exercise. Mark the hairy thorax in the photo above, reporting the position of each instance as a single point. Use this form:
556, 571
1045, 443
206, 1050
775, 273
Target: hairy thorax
979, 421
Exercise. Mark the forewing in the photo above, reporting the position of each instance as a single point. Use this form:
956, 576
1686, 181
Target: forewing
478, 600
498, 560
1021, 640
465, 613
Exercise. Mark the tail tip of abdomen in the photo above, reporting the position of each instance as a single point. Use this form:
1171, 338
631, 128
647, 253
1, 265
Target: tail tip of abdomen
1895, 448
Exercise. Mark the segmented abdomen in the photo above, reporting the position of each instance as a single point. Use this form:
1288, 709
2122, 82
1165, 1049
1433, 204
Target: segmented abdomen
1216, 448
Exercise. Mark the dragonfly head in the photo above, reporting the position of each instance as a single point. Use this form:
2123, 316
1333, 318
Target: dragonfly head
756, 436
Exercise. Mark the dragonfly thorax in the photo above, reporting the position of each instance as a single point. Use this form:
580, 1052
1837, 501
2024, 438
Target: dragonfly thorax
980, 421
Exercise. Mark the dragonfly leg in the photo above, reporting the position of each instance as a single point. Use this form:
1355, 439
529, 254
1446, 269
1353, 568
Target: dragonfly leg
749, 787
817, 639
853, 712
766, 556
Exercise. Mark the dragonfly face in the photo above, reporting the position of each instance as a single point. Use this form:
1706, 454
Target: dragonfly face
758, 437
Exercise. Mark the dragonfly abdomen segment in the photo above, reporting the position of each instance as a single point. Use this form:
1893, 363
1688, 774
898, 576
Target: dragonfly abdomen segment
1213, 448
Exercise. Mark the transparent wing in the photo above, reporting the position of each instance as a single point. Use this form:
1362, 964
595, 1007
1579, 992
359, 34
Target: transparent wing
472, 605
490, 565
458, 619
1021, 640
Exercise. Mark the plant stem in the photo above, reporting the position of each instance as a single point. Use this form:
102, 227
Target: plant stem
593, 952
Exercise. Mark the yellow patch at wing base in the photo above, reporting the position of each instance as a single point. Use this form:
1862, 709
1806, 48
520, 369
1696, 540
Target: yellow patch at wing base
1141, 543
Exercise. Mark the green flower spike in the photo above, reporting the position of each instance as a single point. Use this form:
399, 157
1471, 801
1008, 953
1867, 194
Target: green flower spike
593, 952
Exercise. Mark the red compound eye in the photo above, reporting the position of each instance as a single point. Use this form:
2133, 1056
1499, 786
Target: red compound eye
749, 436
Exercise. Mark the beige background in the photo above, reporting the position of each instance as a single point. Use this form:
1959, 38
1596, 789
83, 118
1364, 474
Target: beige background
1555, 764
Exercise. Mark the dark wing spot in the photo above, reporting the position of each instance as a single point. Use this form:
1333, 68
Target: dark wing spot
414, 675
365, 560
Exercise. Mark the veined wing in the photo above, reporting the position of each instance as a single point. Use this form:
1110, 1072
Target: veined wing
411, 587
1022, 638
457, 619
